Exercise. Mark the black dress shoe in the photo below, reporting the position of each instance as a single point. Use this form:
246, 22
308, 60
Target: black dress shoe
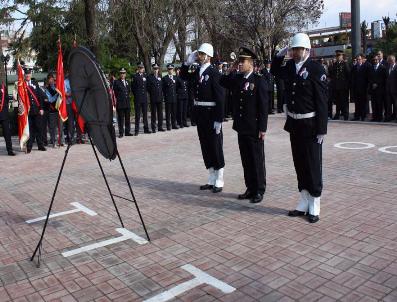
256, 198
313, 218
336, 117
136, 133
246, 195
120, 135
147, 131
206, 187
185, 125
11, 153
296, 213
42, 149
194, 124
216, 189
161, 130
129, 134
168, 128
28, 150
175, 127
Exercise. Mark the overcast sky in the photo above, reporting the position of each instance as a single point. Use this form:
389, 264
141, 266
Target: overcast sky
371, 10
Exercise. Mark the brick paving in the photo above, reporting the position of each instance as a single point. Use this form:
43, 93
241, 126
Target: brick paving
350, 255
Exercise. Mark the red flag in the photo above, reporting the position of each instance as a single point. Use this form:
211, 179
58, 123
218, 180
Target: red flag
60, 85
23, 108
80, 120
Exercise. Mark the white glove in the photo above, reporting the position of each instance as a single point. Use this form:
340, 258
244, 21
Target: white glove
283, 52
217, 127
191, 58
285, 109
320, 138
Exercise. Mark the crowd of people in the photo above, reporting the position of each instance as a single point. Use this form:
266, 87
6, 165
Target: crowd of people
371, 84
364, 82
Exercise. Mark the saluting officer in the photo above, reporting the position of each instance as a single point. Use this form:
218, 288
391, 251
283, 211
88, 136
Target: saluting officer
36, 98
182, 95
250, 102
139, 89
169, 90
122, 90
208, 112
307, 117
155, 89
4, 121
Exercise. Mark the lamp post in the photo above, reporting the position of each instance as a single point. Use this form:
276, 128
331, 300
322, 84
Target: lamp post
355, 33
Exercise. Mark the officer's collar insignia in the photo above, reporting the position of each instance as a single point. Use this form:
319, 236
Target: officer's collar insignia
246, 85
323, 78
252, 86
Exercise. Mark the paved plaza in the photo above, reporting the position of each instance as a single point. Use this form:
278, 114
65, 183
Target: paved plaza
204, 246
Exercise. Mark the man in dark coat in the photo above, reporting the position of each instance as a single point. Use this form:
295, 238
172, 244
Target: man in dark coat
182, 95
269, 78
360, 85
250, 101
377, 88
37, 97
4, 121
391, 90
209, 113
139, 89
307, 116
122, 89
169, 91
339, 72
155, 89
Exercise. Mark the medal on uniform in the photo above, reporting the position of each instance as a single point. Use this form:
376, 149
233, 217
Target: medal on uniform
252, 86
201, 79
206, 77
246, 86
144, 79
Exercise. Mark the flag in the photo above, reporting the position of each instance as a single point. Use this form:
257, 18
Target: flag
23, 108
60, 86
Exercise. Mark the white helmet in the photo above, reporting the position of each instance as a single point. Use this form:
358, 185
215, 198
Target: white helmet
301, 40
207, 49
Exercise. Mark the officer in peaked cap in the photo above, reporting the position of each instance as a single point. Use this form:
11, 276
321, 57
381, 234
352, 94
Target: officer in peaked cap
339, 73
169, 91
209, 113
307, 116
139, 89
122, 89
250, 102
155, 89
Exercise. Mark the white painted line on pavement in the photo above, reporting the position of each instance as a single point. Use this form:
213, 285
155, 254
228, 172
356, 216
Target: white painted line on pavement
384, 149
126, 236
78, 208
363, 145
200, 278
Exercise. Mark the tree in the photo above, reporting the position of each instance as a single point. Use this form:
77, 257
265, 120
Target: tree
364, 35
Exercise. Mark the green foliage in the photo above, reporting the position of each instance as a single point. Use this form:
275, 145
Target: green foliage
389, 44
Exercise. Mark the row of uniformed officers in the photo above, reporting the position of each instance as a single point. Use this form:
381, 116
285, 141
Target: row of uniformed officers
170, 89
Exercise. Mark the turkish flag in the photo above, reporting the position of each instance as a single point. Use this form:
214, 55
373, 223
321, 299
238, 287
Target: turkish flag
23, 108
60, 85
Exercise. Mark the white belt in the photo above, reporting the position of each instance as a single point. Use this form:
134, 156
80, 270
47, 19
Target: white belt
299, 116
210, 104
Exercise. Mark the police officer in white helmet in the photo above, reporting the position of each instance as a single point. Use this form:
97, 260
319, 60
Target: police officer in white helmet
208, 110
307, 116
